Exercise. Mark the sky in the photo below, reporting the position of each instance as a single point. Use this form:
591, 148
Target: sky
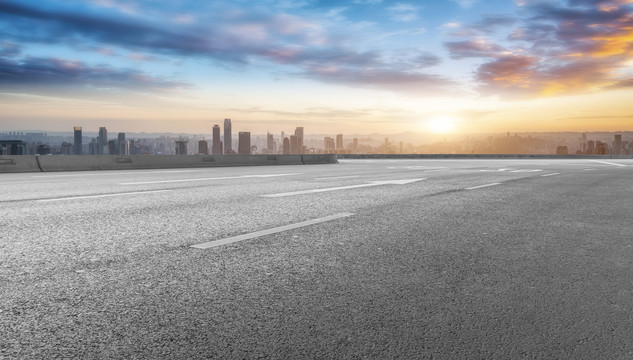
355, 66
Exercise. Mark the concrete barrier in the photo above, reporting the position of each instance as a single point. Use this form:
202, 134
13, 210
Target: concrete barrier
18, 163
128, 162
319, 158
479, 156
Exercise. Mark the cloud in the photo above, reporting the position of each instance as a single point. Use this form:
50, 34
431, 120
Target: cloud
466, 3
473, 48
60, 72
232, 36
554, 48
403, 12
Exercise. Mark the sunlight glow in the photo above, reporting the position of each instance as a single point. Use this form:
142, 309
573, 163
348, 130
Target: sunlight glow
442, 124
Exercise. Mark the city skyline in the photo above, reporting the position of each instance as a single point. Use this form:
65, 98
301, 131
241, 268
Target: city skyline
369, 66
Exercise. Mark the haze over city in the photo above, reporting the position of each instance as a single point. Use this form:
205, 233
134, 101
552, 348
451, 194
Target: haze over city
361, 66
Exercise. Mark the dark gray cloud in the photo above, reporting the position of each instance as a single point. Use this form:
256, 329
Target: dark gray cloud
59, 72
231, 38
473, 48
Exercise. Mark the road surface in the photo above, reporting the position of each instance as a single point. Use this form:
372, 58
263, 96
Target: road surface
442, 259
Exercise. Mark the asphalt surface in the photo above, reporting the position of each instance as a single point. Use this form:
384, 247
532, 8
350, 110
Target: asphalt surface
378, 259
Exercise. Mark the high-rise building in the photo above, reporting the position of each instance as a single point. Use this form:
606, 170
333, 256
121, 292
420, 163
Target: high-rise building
122, 146
228, 149
591, 147
286, 146
299, 135
113, 147
181, 147
294, 144
617, 144
203, 147
102, 141
216, 147
270, 143
339, 142
66, 148
355, 145
77, 145
244, 143
329, 146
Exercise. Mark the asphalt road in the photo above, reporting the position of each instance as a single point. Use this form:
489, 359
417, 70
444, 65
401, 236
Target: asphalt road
442, 259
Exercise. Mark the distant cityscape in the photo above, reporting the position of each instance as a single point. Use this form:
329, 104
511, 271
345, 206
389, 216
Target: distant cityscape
222, 141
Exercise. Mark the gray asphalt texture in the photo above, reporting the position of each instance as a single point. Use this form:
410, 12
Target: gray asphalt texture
535, 267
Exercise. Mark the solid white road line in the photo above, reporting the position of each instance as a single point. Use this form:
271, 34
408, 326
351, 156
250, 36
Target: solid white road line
115, 172
526, 170
373, 183
279, 229
102, 195
552, 174
207, 179
482, 186
608, 163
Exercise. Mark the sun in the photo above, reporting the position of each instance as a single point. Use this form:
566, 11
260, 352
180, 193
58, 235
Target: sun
442, 124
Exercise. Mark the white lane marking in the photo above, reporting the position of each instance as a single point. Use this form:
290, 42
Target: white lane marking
373, 183
337, 177
115, 172
102, 195
482, 186
552, 174
590, 169
279, 229
207, 179
526, 170
608, 163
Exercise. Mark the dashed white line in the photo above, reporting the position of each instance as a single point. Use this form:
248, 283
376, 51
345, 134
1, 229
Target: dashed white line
373, 183
552, 174
607, 162
101, 195
279, 229
337, 177
207, 179
482, 186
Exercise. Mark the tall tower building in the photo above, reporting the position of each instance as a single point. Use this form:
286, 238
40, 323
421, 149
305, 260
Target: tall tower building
203, 147
228, 149
216, 148
294, 144
120, 139
102, 141
286, 146
270, 143
617, 144
299, 135
339, 142
77, 144
181, 147
244, 143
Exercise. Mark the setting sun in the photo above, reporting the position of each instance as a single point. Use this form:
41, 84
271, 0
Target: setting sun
441, 124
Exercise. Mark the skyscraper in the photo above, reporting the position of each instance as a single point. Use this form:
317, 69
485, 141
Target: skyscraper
294, 144
216, 147
77, 144
244, 143
339, 142
203, 147
181, 147
328, 145
122, 147
286, 146
617, 144
270, 143
228, 149
299, 135
102, 141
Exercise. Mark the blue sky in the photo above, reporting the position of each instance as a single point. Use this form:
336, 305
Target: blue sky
364, 65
